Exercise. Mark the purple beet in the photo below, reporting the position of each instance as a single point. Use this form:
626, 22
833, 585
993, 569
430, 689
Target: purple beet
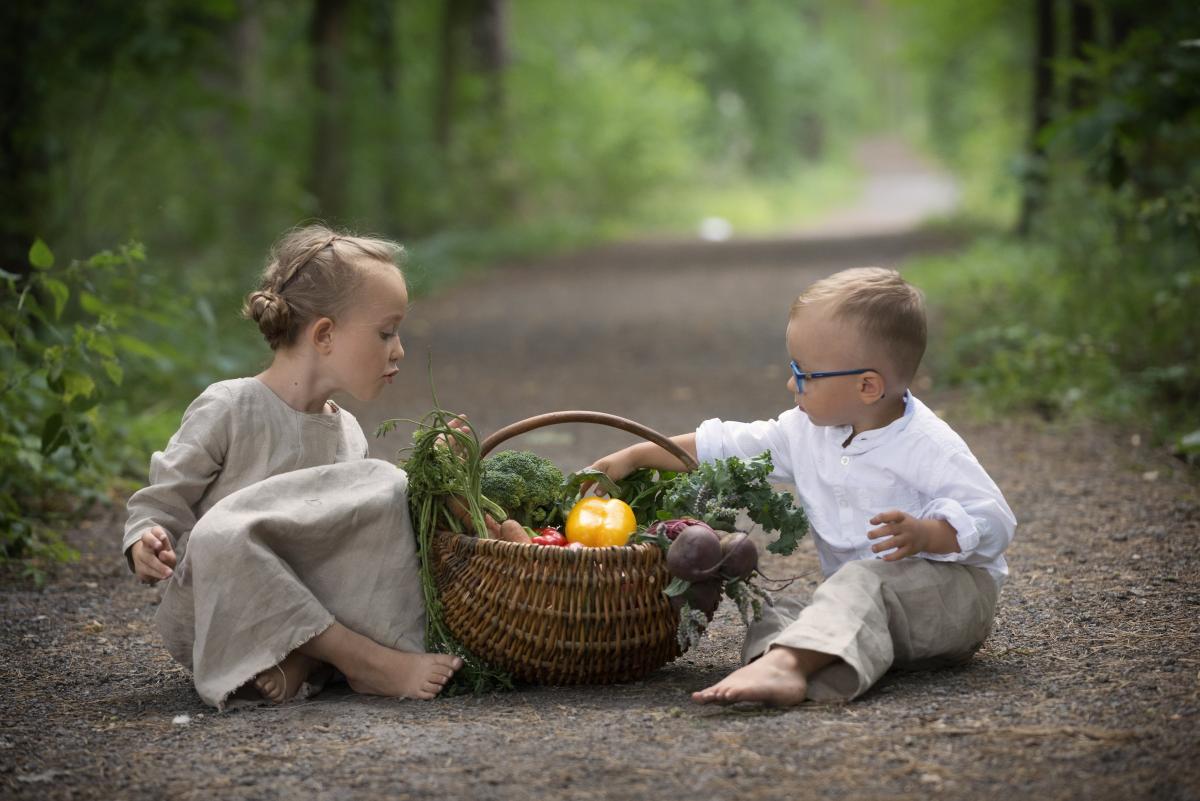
703, 595
671, 528
695, 554
740, 556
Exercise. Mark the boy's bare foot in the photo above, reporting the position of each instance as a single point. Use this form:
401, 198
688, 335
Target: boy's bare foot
375, 669
776, 678
280, 683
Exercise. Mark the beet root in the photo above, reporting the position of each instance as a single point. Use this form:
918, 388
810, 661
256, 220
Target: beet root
739, 556
671, 528
695, 554
703, 595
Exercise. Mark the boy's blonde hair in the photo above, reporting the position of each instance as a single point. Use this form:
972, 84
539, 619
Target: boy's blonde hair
313, 272
886, 309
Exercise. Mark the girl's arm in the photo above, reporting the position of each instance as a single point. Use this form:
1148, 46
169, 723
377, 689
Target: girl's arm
181, 473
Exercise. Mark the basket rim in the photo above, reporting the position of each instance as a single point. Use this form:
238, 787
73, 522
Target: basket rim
538, 550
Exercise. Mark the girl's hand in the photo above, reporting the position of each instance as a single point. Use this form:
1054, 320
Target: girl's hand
452, 442
153, 556
910, 535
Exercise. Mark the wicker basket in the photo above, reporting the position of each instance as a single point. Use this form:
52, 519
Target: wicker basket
549, 615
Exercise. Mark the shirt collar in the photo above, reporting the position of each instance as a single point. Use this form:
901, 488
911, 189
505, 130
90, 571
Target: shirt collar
869, 440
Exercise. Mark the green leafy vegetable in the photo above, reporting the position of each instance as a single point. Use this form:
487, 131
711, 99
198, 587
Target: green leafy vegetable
444, 465
715, 492
526, 485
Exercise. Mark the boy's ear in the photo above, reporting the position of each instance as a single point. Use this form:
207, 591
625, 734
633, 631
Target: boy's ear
872, 387
321, 334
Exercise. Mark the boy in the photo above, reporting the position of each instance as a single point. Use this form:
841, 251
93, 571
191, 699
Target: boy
909, 529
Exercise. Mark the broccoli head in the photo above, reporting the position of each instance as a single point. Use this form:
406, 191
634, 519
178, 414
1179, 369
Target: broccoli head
526, 485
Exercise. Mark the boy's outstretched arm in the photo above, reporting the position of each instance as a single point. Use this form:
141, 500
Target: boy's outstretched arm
646, 454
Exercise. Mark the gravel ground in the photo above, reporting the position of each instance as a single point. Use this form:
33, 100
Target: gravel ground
1087, 688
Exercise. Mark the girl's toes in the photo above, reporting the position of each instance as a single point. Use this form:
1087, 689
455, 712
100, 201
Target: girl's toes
267, 689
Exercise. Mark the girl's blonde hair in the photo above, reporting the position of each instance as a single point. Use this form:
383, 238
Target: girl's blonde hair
888, 311
313, 272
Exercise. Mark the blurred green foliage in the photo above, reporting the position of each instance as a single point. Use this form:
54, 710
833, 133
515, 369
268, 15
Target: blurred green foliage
66, 355
205, 128
1094, 312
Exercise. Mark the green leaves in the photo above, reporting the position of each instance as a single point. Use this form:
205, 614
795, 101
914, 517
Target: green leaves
715, 491
40, 256
59, 361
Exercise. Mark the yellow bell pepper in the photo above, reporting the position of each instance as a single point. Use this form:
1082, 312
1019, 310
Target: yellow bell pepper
598, 522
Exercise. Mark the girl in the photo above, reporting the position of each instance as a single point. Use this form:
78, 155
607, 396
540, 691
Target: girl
299, 554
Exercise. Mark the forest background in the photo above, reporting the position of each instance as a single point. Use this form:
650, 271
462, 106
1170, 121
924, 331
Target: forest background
151, 151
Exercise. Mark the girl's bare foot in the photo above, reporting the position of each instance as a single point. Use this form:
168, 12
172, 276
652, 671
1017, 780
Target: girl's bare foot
400, 674
374, 669
776, 678
280, 683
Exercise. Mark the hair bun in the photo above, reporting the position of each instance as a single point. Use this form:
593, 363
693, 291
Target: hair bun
271, 312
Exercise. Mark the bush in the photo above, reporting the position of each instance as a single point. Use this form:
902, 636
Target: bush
64, 350
1095, 316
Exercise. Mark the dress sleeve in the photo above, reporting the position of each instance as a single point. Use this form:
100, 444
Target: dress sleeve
968, 499
182, 472
720, 439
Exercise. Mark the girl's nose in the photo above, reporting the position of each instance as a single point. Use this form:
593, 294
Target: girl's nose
397, 350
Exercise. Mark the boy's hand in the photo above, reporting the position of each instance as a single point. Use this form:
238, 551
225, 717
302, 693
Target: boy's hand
910, 536
153, 556
616, 466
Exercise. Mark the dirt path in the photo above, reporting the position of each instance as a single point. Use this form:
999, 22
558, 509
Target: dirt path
1088, 687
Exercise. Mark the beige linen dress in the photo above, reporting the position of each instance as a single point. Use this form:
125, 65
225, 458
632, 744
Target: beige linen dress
281, 526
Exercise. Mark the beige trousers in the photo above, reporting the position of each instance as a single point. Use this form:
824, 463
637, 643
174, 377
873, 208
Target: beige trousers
875, 615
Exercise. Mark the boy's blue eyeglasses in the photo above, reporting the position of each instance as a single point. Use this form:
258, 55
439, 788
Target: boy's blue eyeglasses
800, 377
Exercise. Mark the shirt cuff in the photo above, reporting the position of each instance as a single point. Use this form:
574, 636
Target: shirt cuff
965, 528
709, 440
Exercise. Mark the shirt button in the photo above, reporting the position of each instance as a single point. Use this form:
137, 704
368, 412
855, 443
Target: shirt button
845, 460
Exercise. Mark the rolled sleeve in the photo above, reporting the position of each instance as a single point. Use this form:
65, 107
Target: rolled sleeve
965, 529
968, 499
719, 439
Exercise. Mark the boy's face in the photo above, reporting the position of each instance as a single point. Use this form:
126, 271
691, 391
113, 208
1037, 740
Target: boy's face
817, 342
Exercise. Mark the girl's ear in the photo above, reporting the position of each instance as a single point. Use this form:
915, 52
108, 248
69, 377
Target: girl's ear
872, 387
321, 335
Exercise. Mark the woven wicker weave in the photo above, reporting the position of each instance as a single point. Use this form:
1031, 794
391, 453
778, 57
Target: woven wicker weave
550, 615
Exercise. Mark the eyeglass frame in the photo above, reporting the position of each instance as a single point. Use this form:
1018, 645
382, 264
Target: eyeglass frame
801, 377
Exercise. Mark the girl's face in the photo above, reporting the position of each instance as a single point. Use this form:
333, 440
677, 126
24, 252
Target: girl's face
366, 349
816, 342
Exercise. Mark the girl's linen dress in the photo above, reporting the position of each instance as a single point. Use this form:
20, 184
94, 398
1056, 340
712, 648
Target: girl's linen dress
281, 526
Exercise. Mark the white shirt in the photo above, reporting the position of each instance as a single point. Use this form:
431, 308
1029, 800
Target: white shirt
916, 464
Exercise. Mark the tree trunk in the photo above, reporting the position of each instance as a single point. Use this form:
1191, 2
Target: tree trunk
447, 79
1083, 33
383, 26
1041, 107
23, 160
328, 167
481, 23
490, 48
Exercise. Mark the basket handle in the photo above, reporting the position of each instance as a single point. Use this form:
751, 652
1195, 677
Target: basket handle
600, 418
